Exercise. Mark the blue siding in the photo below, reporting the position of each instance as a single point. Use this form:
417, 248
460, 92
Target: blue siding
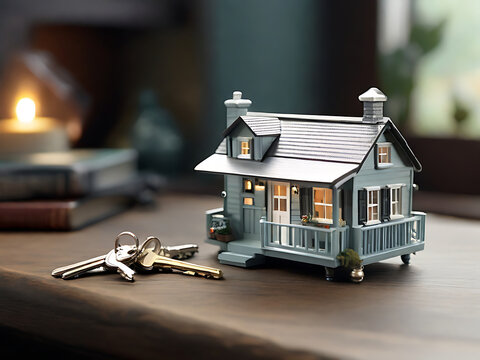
295, 217
234, 204
401, 172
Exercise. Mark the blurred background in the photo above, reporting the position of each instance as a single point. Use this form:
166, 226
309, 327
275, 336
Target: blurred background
153, 75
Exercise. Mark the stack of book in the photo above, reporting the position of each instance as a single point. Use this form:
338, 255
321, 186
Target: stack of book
66, 190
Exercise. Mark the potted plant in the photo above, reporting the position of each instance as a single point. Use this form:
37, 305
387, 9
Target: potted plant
350, 260
306, 219
224, 234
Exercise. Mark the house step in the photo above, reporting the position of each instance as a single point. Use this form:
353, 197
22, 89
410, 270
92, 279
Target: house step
235, 259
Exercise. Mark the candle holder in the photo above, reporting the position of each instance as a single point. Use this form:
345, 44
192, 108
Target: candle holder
27, 133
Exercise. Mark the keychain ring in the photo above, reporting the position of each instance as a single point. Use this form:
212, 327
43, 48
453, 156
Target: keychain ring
127, 233
148, 241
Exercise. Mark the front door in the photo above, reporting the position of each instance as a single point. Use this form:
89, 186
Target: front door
281, 210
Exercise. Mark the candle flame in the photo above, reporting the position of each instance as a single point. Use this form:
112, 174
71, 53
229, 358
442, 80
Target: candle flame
25, 110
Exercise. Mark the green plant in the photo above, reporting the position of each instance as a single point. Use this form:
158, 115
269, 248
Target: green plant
226, 230
349, 259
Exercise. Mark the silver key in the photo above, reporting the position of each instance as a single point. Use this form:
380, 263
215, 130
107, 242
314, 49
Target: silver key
117, 261
124, 253
179, 251
58, 272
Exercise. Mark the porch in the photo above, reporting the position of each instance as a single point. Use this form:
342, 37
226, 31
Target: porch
320, 246
389, 239
309, 244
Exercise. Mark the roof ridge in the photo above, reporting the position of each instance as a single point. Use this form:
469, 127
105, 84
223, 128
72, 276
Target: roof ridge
330, 118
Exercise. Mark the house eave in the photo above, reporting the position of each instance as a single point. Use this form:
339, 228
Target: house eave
278, 168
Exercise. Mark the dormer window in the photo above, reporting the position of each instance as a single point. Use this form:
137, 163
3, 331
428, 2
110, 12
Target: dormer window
245, 147
384, 155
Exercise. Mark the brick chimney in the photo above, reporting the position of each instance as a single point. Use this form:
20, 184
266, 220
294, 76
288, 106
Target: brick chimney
373, 100
236, 107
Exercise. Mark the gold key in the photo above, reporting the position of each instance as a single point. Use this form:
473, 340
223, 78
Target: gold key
149, 259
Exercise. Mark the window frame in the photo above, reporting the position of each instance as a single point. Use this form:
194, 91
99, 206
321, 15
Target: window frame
325, 204
370, 190
242, 140
399, 202
383, 165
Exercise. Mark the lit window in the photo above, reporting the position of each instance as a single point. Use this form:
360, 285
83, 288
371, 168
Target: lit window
322, 205
396, 201
247, 201
259, 185
373, 206
384, 154
245, 148
247, 185
245, 151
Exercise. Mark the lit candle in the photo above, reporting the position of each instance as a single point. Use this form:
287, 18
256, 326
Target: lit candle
28, 133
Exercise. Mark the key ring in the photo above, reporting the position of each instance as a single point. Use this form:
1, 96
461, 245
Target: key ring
128, 233
157, 244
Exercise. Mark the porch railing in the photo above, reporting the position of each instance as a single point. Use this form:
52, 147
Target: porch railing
369, 240
304, 239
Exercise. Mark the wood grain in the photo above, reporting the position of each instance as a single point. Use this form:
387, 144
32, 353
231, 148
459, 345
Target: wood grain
430, 309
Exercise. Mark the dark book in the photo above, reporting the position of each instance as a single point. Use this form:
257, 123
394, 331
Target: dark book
69, 174
71, 214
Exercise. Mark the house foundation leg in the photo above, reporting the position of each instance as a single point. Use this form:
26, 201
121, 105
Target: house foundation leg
329, 273
405, 259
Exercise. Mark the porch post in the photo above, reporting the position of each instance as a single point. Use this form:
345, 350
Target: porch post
263, 231
335, 237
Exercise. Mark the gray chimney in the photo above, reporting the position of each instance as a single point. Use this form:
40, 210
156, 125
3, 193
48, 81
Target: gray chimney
373, 100
236, 107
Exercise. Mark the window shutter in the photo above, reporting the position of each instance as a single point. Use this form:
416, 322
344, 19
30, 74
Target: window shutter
385, 193
362, 206
306, 201
235, 147
229, 146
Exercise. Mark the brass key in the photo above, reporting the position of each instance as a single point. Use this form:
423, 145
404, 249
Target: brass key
149, 259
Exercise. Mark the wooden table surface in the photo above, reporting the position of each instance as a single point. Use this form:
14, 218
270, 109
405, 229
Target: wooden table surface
430, 309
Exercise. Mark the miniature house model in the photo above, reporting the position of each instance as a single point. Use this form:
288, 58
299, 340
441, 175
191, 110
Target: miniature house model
306, 187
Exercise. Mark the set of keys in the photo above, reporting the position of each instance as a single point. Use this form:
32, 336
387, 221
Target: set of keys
150, 256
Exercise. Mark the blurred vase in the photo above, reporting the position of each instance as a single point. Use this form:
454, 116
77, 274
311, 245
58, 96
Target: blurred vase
156, 136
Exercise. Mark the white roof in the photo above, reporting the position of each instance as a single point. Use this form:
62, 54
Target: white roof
279, 168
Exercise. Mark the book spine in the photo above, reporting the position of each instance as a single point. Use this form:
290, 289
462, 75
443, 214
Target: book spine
27, 185
18, 216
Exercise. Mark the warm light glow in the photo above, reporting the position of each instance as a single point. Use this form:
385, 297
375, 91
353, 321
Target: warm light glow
25, 110
247, 201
